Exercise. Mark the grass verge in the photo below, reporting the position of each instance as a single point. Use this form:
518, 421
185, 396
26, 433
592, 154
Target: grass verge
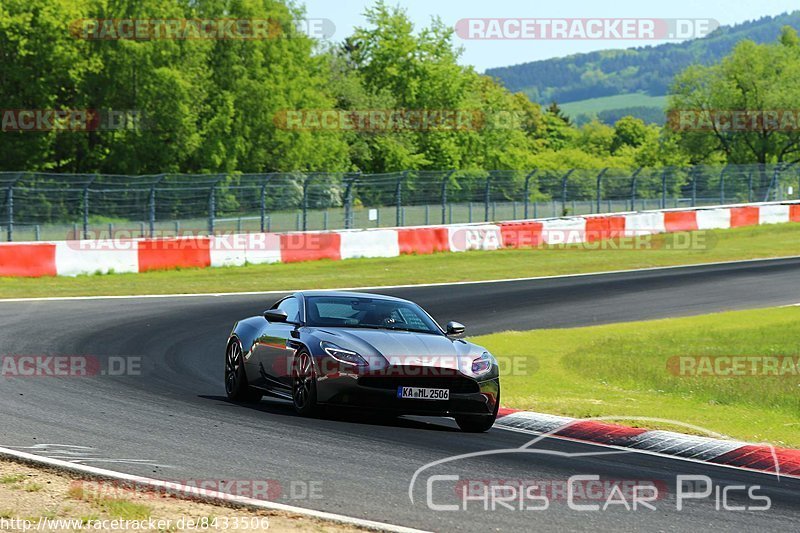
622, 370
663, 250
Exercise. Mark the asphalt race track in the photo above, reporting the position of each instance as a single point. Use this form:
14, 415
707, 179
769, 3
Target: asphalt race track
173, 421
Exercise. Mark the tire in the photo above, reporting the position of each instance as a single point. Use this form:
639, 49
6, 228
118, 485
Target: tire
478, 423
236, 386
304, 384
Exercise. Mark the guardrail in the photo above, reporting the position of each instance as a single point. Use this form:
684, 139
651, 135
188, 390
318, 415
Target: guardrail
40, 206
69, 258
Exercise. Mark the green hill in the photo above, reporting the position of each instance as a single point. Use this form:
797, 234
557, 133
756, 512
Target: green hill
609, 109
596, 82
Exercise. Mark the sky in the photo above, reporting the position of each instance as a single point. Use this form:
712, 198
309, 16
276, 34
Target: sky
483, 54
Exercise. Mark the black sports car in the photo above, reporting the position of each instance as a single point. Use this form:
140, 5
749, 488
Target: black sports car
320, 348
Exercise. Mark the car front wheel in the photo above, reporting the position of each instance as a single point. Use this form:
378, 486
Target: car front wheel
236, 386
304, 385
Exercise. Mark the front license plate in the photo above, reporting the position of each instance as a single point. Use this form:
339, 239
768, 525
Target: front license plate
419, 393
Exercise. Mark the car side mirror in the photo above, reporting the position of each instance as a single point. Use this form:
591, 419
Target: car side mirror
276, 315
455, 328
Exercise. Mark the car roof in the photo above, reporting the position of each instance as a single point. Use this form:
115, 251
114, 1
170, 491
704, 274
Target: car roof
349, 294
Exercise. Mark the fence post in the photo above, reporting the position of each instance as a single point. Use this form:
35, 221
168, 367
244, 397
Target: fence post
212, 207
599, 187
445, 181
773, 184
564, 179
85, 234
528, 190
722, 185
264, 203
634, 178
152, 207
10, 211
664, 188
694, 187
304, 206
487, 195
348, 200
399, 198
750, 186
152, 214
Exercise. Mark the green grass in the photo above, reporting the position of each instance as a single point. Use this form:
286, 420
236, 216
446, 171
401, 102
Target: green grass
721, 245
592, 106
122, 509
620, 370
33, 487
11, 479
114, 507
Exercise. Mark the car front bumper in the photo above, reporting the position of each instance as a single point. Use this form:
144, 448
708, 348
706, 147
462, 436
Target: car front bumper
468, 396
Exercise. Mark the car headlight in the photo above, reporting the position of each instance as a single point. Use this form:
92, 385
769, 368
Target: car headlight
482, 364
348, 357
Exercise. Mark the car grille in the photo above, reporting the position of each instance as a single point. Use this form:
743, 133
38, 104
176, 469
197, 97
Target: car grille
455, 382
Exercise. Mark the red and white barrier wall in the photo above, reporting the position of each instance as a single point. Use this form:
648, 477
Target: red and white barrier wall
71, 258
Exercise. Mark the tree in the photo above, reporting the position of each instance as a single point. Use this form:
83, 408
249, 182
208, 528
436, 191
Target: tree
595, 138
754, 80
628, 131
557, 132
556, 111
43, 69
387, 63
204, 105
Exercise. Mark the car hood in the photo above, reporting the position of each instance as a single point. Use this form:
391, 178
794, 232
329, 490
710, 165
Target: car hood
404, 348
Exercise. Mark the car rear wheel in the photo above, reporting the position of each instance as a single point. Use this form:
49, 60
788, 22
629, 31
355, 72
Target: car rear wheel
478, 423
304, 385
236, 386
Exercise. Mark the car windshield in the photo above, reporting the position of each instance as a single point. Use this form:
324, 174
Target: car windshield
363, 312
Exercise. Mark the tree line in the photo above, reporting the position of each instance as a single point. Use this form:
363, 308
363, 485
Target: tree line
220, 105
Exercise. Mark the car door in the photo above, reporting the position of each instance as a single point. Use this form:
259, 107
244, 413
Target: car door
272, 355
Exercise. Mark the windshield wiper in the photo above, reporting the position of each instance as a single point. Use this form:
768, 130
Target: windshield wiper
390, 328
410, 329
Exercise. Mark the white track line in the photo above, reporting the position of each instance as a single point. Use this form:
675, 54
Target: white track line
196, 493
408, 286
